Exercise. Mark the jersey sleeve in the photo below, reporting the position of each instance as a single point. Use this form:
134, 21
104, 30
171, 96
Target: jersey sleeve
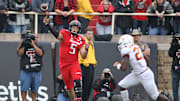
82, 42
63, 33
125, 51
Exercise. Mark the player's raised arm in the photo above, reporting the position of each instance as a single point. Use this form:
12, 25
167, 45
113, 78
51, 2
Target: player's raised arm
56, 34
124, 63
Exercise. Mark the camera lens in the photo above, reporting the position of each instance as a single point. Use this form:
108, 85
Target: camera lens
106, 75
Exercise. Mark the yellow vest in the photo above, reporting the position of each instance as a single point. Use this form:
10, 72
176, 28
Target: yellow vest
84, 6
90, 59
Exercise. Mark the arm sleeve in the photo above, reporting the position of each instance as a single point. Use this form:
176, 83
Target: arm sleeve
113, 86
12, 7
97, 85
171, 51
53, 31
125, 51
150, 9
51, 5
132, 7
111, 8
83, 42
36, 6
28, 6
74, 4
100, 9
168, 8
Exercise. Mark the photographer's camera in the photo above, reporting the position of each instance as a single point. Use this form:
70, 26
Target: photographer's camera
175, 40
107, 76
27, 38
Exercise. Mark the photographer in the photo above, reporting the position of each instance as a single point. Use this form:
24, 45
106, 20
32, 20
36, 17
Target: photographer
103, 87
174, 52
62, 94
30, 65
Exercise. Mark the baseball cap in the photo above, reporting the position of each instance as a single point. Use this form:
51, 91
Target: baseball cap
106, 70
177, 35
135, 32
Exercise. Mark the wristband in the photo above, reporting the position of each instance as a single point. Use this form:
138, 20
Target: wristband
118, 66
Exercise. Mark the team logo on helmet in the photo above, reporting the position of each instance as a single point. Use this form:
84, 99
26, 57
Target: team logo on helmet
75, 23
125, 41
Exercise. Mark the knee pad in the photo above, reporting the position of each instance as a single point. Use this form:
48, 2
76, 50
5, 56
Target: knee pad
78, 88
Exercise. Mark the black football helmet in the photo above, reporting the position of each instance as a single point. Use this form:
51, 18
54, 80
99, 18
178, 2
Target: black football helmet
75, 23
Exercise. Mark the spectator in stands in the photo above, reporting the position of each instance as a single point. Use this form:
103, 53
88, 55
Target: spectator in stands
65, 8
159, 24
42, 6
62, 95
3, 7
85, 7
176, 20
124, 23
137, 37
104, 86
173, 52
141, 21
19, 22
103, 26
31, 55
87, 65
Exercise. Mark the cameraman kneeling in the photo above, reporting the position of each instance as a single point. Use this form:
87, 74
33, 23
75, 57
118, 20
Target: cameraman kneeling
174, 52
103, 87
30, 65
62, 90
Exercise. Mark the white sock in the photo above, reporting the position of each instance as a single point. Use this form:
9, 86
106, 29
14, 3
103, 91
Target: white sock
125, 95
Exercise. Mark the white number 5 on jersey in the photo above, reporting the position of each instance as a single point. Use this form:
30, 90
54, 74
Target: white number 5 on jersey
73, 48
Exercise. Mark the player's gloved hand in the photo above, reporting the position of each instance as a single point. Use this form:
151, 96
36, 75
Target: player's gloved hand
117, 65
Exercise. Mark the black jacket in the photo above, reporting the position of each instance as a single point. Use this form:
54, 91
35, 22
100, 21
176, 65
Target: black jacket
101, 87
62, 88
12, 7
174, 52
124, 22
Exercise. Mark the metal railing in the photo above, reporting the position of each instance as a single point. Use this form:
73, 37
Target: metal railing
80, 13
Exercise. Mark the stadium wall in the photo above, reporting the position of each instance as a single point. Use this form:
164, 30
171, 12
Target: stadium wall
163, 61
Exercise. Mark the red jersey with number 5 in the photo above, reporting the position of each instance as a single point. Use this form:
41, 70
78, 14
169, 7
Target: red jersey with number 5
69, 48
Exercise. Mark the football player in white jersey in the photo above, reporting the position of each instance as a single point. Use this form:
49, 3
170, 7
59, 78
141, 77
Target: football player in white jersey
140, 74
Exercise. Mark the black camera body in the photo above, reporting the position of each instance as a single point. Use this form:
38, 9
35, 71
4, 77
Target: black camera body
175, 41
27, 37
107, 76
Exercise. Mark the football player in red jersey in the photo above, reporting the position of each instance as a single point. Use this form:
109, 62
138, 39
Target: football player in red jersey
70, 45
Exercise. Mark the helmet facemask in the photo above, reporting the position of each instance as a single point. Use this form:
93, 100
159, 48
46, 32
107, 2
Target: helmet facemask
75, 23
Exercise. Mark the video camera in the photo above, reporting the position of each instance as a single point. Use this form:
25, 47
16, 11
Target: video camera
27, 37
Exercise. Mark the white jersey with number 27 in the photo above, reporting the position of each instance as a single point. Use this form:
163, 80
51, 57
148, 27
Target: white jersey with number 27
136, 58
